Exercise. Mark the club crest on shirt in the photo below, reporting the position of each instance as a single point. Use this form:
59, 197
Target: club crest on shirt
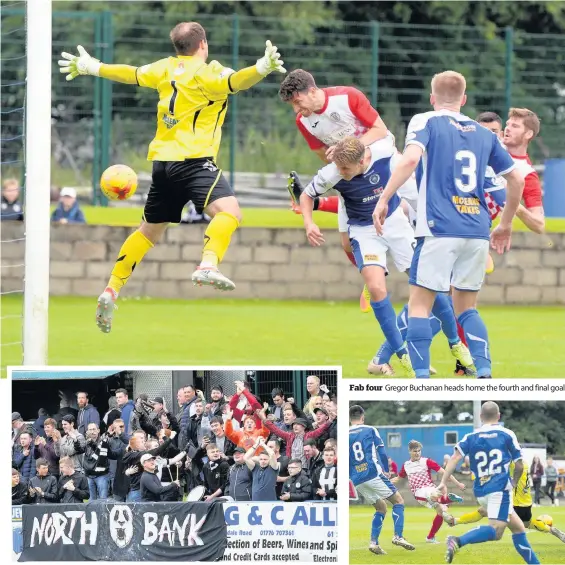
180, 69
374, 179
210, 166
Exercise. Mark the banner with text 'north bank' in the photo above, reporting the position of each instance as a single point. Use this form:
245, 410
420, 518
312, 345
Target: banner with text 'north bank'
158, 531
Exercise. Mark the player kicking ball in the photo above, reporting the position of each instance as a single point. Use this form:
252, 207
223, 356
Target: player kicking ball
418, 471
368, 471
359, 174
193, 98
491, 449
522, 503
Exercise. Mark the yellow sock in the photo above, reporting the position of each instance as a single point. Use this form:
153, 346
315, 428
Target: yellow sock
217, 238
489, 269
132, 252
470, 517
539, 526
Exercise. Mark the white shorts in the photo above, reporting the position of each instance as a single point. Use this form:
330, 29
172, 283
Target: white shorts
342, 218
379, 488
442, 262
422, 494
370, 248
498, 505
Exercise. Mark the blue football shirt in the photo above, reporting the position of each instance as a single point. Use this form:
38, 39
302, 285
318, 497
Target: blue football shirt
363, 458
451, 174
491, 449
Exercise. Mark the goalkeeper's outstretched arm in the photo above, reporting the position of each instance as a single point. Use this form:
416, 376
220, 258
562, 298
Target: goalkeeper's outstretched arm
85, 64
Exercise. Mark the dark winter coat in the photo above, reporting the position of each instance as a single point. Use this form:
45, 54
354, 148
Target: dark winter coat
87, 415
299, 487
81, 492
48, 485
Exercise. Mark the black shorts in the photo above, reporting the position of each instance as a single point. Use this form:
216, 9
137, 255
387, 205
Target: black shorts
524, 513
174, 183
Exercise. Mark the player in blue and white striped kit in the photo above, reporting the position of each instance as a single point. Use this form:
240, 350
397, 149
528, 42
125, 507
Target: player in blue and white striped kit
359, 174
368, 470
491, 449
450, 154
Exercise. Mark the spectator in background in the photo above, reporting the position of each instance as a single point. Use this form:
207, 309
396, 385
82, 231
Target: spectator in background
264, 469
313, 457
324, 482
536, 472
165, 419
247, 435
215, 409
277, 408
42, 415
298, 487
240, 478
23, 458
551, 475
112, 415
313, 403
87, 414
126, 407
72, 486
275, 444
12, 208
96, 462
152, 490
294, 440
216, 472
18, 427
72, 444
43, 487
392, 468
219, 437
68, 210
20, 492
313, 386
321, 417
45, 446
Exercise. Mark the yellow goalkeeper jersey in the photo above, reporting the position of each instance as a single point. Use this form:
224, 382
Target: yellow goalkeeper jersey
193, 100
522, 492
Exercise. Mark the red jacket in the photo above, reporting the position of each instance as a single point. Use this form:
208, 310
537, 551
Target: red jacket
290, 436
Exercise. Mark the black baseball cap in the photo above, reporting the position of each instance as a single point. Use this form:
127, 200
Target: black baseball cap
239, 450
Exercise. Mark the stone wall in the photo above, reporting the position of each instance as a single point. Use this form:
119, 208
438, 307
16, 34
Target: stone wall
265, 263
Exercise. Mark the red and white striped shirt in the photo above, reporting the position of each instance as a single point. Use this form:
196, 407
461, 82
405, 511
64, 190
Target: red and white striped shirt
346, 112
531, 196
419, 473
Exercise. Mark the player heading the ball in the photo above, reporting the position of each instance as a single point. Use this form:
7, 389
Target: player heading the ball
193, 100
450, 153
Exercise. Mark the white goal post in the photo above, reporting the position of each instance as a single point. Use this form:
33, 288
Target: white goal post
38, 180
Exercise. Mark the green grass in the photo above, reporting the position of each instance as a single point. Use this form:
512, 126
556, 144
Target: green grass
526, 342
256, 218
252, 217
417, 525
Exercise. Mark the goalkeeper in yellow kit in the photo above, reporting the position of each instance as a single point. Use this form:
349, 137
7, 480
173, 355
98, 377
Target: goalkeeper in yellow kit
193, 99
522, 504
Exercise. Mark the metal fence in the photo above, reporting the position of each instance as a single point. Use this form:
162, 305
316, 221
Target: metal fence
96, 122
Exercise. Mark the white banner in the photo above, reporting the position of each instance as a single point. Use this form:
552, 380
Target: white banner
286, 531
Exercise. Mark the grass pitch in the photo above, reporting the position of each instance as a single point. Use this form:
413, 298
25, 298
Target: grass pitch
526, 342
257, 218
417, 524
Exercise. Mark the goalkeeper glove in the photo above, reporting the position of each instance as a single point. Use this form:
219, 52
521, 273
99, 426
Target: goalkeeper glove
270, 61
83, 64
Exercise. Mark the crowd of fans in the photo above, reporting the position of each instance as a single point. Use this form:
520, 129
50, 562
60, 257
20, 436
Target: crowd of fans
230, 447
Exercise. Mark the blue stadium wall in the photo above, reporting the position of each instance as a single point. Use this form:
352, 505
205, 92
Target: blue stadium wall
437, 439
